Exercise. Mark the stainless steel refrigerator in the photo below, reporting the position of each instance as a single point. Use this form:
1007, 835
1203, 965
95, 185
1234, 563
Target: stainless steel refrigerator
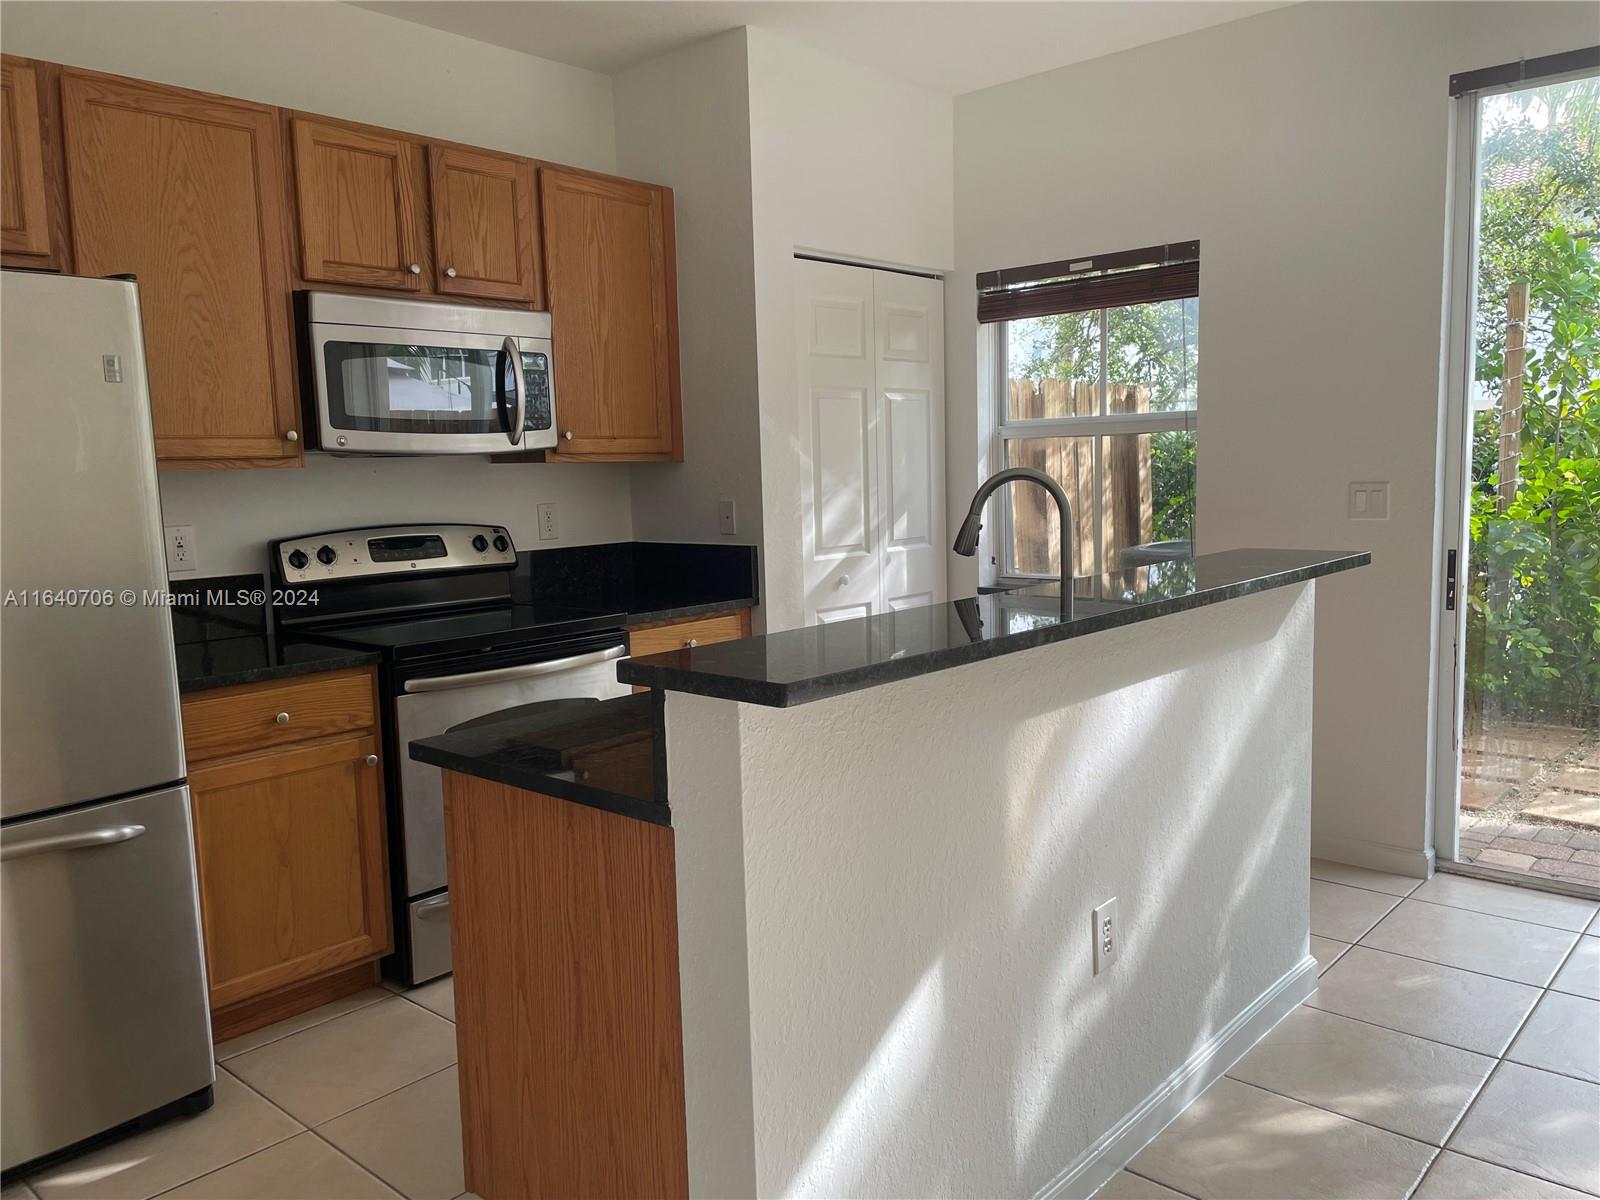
102, 977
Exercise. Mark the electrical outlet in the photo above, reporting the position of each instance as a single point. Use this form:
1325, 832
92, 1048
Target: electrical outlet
182, 558
1106, 935
727, 523
548, 531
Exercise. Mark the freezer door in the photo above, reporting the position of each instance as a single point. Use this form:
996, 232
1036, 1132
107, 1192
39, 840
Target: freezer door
102, 978
90, 699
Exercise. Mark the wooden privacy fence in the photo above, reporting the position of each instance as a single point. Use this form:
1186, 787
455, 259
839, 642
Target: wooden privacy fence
1126, 496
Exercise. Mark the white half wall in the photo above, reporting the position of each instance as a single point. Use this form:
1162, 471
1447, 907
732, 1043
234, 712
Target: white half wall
850, 163
683, 119
1306, 149
884, 903
347, 62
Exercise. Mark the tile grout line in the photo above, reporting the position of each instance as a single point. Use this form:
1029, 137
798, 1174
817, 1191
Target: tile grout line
1432, 962
290, 1033
317, 1129
1261, 1087
1501, 916
1157, 1182
1412, 895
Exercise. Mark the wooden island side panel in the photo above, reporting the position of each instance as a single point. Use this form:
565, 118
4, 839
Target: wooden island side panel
565, 942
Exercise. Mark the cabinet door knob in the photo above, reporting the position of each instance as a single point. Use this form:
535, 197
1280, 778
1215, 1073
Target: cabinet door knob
415, 268
567, 434
450, 272
691, 642
282, 718
372, 760
291, 436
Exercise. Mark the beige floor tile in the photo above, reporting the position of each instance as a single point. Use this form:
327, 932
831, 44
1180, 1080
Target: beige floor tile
1580, 974
1563, 1035
1125, 1185
238, 1124
438, 996
1453, 1177
1473, 941
1460, 1008
1392, 1080
1505, 900
333, 1067
1362, 877
1345, 913
1246, 1144
302, 1168
271, 1033
21, 1191
411, 1139
1537, 1123
1326, 951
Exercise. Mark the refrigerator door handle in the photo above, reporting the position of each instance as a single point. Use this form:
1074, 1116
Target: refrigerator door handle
108, 835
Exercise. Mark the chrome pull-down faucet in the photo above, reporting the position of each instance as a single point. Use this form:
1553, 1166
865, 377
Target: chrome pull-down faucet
966, 543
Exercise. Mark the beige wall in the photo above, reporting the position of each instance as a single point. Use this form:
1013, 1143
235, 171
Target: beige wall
1306, 149
347, 62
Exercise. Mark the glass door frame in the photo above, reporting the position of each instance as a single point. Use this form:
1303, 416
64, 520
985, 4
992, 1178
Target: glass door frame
1454, 476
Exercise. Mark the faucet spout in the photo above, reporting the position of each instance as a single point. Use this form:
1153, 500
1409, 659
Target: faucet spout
966, 543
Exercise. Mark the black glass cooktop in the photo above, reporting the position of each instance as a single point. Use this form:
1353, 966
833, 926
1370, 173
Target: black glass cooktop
478, 629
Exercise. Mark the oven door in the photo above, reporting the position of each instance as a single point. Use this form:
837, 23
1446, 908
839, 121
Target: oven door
410, 391
430, 704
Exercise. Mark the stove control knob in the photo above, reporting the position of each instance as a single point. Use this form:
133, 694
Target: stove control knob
326, 555
480, 543
298, 559
500, 543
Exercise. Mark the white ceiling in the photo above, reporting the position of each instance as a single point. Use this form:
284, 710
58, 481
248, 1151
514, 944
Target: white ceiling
947, 46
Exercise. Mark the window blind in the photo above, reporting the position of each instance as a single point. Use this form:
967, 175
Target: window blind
1170, 272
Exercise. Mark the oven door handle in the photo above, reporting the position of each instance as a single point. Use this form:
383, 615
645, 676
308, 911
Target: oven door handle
513, 353
446, 683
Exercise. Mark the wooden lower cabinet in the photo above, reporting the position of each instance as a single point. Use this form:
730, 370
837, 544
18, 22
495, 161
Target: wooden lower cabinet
658, 637
291, 854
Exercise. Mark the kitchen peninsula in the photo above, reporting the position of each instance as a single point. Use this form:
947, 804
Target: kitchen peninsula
862, 881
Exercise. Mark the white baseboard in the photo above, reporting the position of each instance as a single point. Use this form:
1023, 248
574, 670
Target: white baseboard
1096, 1165
1377, 856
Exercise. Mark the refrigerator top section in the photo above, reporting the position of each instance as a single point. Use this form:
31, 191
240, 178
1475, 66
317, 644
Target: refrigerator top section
90, 694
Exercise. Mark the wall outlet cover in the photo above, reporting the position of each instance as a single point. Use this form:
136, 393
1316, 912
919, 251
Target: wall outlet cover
727, 522
182, 555
548, 528
1107, 935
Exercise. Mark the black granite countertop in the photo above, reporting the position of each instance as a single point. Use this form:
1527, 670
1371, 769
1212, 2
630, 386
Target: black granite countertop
647, 581
223, 636
602, 753
801, 665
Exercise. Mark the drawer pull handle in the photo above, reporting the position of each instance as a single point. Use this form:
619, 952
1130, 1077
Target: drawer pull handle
372, 760
282, 718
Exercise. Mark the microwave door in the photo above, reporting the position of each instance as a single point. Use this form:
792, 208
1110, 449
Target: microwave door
388, 391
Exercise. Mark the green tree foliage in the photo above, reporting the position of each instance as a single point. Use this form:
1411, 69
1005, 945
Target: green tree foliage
1534, 593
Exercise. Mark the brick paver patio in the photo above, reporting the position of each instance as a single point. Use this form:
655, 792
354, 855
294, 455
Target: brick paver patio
1530, 801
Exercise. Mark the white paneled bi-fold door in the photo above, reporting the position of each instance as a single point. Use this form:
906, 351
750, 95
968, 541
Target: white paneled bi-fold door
871, 363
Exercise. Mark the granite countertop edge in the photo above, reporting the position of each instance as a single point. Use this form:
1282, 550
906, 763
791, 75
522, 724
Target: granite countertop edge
337, 660
532, 779
697, 609
659, 671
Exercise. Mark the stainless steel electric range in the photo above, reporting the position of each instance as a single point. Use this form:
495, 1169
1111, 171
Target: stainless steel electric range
436, 601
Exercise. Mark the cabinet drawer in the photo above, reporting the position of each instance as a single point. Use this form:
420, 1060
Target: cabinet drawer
254, 717
702, 631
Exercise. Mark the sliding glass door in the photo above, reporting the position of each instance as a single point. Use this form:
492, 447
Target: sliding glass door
1518, 773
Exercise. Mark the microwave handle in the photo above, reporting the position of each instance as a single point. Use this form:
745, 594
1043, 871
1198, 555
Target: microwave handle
513, 352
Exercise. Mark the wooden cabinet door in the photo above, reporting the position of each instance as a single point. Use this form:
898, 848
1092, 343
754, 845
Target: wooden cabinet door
611, 283
292, 864
24, 194
186, 192
357, 198
484, 224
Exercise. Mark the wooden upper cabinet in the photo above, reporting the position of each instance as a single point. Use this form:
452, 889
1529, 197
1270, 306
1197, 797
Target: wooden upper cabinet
484, 224
357, 194
28, 167
185, 191
611, 283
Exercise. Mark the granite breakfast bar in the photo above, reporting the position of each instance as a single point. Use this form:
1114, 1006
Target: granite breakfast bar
855, 865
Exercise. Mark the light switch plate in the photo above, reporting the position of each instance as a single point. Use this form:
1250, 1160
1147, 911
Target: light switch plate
727, 523
1369, 501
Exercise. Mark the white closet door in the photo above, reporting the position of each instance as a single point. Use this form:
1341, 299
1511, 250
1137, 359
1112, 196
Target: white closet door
908, 314
839, 440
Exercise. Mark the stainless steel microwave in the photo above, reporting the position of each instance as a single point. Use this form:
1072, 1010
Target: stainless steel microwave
419, 377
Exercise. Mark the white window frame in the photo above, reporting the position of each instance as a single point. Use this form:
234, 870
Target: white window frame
1097, 426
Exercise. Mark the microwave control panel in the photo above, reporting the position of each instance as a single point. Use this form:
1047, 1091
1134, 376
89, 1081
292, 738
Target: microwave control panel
536, 378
